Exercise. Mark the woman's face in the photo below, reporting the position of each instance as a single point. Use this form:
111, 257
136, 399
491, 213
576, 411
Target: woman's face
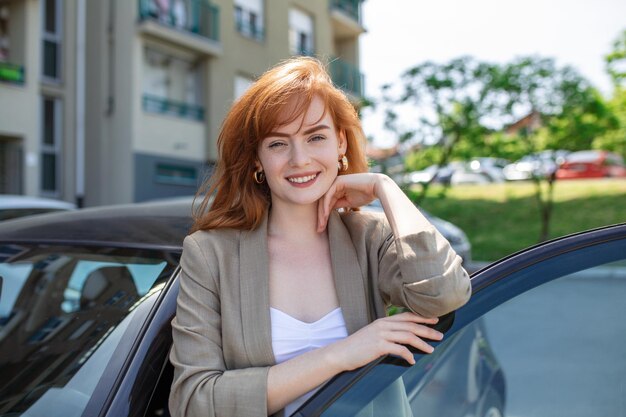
300, 159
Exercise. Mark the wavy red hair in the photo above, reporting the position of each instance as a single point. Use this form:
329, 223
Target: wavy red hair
237, 200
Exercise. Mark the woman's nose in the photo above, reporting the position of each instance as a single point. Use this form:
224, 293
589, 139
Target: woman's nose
299, 156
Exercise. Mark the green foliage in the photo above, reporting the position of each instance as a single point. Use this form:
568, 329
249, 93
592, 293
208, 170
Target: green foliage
464, 105
616, 61
423, 158
615, 139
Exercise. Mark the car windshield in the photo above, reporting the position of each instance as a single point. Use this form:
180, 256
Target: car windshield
63, 311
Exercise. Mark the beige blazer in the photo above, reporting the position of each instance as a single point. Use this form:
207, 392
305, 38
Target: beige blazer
222, 346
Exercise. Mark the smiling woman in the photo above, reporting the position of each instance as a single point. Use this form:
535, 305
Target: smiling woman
280, 290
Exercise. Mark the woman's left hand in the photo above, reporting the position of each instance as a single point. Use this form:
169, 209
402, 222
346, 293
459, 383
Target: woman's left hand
352, 190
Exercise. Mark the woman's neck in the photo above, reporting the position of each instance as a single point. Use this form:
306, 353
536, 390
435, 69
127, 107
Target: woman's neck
293, 222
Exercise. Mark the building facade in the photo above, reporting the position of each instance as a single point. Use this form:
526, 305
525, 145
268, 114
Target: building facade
117, 101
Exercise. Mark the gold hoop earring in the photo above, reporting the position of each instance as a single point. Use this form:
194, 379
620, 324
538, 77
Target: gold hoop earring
342, 164
259, 177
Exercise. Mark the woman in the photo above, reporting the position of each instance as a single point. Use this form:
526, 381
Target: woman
280, 291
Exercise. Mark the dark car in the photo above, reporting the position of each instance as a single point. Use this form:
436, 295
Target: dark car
87, 299
14, 206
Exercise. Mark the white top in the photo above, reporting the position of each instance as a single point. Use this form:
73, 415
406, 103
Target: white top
292, 337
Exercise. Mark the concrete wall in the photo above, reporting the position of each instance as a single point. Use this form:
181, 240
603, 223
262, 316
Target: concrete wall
170, 136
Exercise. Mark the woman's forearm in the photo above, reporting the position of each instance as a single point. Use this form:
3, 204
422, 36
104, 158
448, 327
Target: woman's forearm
404, 218
293, 378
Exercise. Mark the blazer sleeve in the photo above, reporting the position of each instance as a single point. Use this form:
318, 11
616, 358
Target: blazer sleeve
421, 272
202, 386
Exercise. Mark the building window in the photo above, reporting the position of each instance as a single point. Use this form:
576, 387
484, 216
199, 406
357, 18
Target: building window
301, 33
172, 85
242, 84
176, 174
51, 38
50, 145
249, 18
4, 32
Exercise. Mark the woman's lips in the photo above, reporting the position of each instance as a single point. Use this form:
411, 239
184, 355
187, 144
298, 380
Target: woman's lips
302, 180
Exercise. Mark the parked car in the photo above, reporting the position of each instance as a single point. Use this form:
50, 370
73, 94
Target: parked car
540, 165
592, 164
453, 234
476, 171
491, 167
87, 299
13, 206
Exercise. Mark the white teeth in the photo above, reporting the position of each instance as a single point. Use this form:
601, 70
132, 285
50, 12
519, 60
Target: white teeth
300, 180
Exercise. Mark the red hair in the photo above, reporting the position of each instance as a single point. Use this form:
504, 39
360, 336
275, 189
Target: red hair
237, 200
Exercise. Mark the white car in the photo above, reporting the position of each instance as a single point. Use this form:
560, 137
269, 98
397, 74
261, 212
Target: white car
13, 206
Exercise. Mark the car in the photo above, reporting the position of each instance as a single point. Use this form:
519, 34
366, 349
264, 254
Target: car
592, 164
476, 171
14, 206
453, 234
537, 165
87, 299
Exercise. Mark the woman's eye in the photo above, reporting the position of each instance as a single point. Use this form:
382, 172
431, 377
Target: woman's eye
317, 138
274, 145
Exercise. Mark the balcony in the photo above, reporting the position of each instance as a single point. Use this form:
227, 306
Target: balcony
154, 104
249, 30
347, 77
11, 73
191, 23
346, 17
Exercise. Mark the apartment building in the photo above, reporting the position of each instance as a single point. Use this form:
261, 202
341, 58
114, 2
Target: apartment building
117, 101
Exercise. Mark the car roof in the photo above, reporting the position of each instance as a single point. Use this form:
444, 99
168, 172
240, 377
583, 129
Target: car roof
162, 224
11, 201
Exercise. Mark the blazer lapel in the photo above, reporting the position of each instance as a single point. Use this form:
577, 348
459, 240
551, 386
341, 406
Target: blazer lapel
349, 280
255, 299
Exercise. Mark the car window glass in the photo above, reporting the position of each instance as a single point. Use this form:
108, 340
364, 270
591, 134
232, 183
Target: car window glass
143, 277
554, 349
60, 308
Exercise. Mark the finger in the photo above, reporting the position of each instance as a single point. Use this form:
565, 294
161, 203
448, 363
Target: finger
321, 223
403, 352
408, 338
416, 329
416, 318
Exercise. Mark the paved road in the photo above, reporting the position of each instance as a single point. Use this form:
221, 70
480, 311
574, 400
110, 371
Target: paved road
563, 348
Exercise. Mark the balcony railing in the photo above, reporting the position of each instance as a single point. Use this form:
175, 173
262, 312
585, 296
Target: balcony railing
154, 104
347, 77
11, 73
350, 7
250, 30
195, 16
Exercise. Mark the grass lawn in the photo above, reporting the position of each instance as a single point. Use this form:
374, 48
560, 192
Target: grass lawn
500, 219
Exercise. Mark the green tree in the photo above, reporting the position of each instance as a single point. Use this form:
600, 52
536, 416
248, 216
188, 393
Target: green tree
572, 113
615, 139
462, 107
616, 61
443, 104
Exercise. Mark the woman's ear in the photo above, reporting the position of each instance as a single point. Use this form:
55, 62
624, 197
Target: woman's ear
343, 142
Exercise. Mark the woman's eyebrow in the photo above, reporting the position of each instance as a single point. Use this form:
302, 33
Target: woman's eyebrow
315, 129
306, 132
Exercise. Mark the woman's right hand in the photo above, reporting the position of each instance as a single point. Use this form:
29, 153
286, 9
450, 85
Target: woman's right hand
382, 337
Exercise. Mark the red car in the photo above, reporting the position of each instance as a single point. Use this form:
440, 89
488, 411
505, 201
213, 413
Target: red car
592, 164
